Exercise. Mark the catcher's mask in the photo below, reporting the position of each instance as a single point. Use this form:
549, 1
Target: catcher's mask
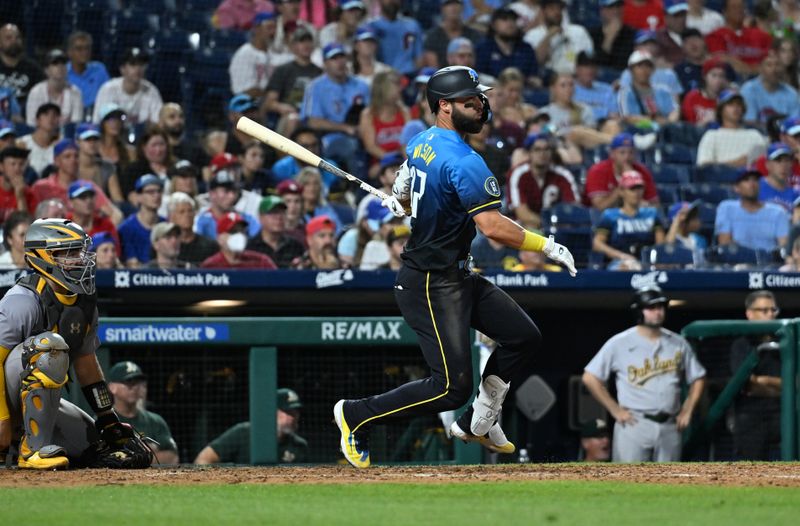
58, 249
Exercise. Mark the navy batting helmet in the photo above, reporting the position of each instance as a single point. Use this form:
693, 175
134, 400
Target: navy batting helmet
647, 297
453, 82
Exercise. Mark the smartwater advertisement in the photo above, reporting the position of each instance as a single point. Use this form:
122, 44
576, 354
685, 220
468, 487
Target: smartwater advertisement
163, 332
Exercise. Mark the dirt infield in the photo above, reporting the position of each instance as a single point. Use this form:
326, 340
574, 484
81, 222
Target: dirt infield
729, 474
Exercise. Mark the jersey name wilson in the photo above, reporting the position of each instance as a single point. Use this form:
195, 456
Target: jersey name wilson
640, 375
424, 152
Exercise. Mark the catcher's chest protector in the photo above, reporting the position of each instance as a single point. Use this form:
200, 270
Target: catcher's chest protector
70, 321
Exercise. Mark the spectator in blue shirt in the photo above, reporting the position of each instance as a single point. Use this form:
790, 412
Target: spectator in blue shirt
622, 232
331, 107
766, 95
399, 38
749, 221
222, 197
599, 96
642, 100
504, 48
83, 72
664, 75
775, 187
9, 107
134, 232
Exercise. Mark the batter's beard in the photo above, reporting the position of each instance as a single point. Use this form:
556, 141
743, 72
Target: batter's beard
464, 124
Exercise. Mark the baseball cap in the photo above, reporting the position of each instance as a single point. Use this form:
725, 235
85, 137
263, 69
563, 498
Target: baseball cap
644, 35
457, 43
102, 238
332, 50
289, 187
345, 5
391, 159
288, 400
322, 222
790, 126
135, 55
778, 149
223, 160
585, 59
630, 179
14, 151
531, 139
111, 109
377, 214
676, 207
87, 131
228, 221
56, 56
301, 33
79, 188
621, 140
365, 33
397, 232
64, 145
47, 106
125, 372
242, 103
595, 428
746, 173
674, 7
162, 229
182, 168
712, 63
727, 96
410, 130
269, 203
7, 128
638, 57
222, 178
147, 180
424, 75
263, 16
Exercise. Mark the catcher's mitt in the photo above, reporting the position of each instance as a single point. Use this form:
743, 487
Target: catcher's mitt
121, 447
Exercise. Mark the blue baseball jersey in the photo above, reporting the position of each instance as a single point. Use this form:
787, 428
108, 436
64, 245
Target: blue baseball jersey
399, 42
450, 184
630, 233
330, 100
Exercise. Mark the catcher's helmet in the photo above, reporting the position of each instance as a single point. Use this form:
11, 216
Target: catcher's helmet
58, 249
453, 82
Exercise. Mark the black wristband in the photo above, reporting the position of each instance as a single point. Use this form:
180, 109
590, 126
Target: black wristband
99, 397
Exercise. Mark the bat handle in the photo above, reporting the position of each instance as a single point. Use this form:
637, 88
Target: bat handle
374, 191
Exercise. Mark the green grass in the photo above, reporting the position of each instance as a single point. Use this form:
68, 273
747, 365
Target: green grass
489, 503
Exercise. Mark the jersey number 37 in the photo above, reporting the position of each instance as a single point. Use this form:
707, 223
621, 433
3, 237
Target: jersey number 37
417, 188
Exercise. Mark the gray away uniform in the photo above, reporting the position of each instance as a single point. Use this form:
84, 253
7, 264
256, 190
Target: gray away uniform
648, 381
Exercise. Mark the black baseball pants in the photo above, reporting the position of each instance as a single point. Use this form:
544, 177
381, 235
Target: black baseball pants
441, 307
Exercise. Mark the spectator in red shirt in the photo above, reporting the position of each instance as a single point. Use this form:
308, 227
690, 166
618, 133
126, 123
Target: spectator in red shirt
65, 154
742, 47
14, 193
790, 135
232, 238
84, 210
643, 14
700, 105
602, 181
538, 183
320, 238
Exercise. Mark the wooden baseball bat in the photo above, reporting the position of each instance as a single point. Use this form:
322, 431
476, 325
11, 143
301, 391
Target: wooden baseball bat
289, 147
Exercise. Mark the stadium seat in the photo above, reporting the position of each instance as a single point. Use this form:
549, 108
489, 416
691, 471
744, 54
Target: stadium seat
199, 5
152, 6
675, 154
716, 173
674, 174
667, 194
731, 256
191, 21
608, 75
170, 50
710, 193
680, 133
206, 89
565, 215
125, 29
229, 40
708, 217
537, 97
666, 256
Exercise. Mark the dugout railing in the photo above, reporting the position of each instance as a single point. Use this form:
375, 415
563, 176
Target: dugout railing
263, 339
711, 340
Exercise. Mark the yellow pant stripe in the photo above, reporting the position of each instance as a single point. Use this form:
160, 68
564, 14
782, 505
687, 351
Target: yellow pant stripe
444, 361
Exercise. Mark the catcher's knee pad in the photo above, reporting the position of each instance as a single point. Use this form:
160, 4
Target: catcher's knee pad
488, 404
46, 361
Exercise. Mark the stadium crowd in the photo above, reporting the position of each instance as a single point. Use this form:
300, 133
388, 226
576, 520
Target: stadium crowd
642, 134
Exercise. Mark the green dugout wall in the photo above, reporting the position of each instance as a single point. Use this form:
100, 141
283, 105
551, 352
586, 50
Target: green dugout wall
264, 338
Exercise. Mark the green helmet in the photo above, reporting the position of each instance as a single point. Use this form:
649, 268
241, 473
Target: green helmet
58, 250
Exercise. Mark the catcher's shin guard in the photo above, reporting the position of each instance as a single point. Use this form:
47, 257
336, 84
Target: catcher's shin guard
46, 361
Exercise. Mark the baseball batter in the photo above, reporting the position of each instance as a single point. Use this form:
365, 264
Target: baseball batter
48, 320
649, 362
450, 191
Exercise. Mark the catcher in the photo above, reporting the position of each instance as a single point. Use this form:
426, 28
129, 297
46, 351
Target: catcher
48, 320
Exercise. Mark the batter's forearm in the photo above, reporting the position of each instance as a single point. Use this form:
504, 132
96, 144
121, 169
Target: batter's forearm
506, 231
